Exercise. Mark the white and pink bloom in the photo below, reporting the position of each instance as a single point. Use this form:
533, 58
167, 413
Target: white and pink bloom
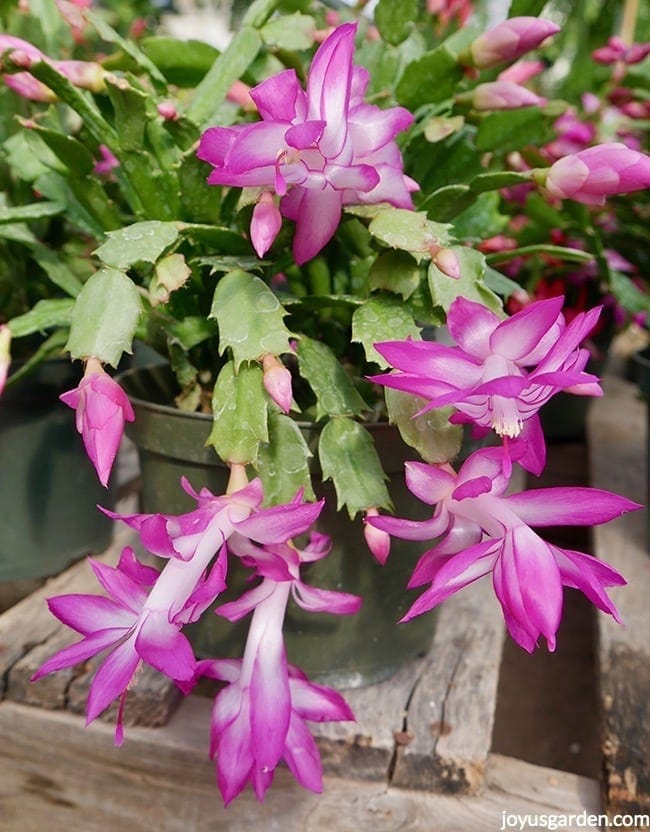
592, 175
483, 531
259, 719
500, 371
102, 408
508, 41
318, 149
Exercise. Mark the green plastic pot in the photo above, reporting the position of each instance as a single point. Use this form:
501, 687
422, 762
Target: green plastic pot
345, 651
49, 490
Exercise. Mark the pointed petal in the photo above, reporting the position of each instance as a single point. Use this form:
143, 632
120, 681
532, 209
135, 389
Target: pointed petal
459, 571
270, 698
280, 523
429, 483
112, 678
320, 212
517, 336
590, 576
325, 600
80, 651
89, 613
318, 703
568, 506
280, 97
302, 757
471, 326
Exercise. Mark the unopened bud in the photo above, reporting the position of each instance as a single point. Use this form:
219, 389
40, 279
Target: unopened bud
167, 110
448, 263
265, 223
277, 382
378, 541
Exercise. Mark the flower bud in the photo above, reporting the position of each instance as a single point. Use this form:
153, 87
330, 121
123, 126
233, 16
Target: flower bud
5, 354
521, 72
102, 408
167, 109
447, 261
596, 173
277, 382
507, 41
378, 541
107, 163
503, 95
265, 223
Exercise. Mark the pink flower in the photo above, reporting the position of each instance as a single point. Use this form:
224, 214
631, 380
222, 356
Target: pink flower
508, 41
483, 531
592, 175
318, 150
258, 719
102, 408
503, 95
486, 375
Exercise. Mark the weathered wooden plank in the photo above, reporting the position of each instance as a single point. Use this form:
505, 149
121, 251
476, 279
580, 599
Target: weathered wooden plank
617, 440
451, 714
161, 780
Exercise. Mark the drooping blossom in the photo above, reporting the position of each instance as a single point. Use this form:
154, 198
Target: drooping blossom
484, 531
87, 75
259, 719
504, 95
508, 41
5, 354
102, 408
592, 175
500, 371
317, 149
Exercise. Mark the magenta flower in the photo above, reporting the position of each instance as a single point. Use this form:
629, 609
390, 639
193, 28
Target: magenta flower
130, 625
508, 41
484, 531
318, 150
259, 719
596, 173
102, 408
486, 375
503, 95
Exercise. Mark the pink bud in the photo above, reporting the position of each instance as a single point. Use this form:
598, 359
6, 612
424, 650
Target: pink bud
503, 95
265, 223
5, 354
508, 41
101, 408
277, 382
447, 261
596, 173
378, 541
521, 72
167, 110
239, 93
28, 87
87, 75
